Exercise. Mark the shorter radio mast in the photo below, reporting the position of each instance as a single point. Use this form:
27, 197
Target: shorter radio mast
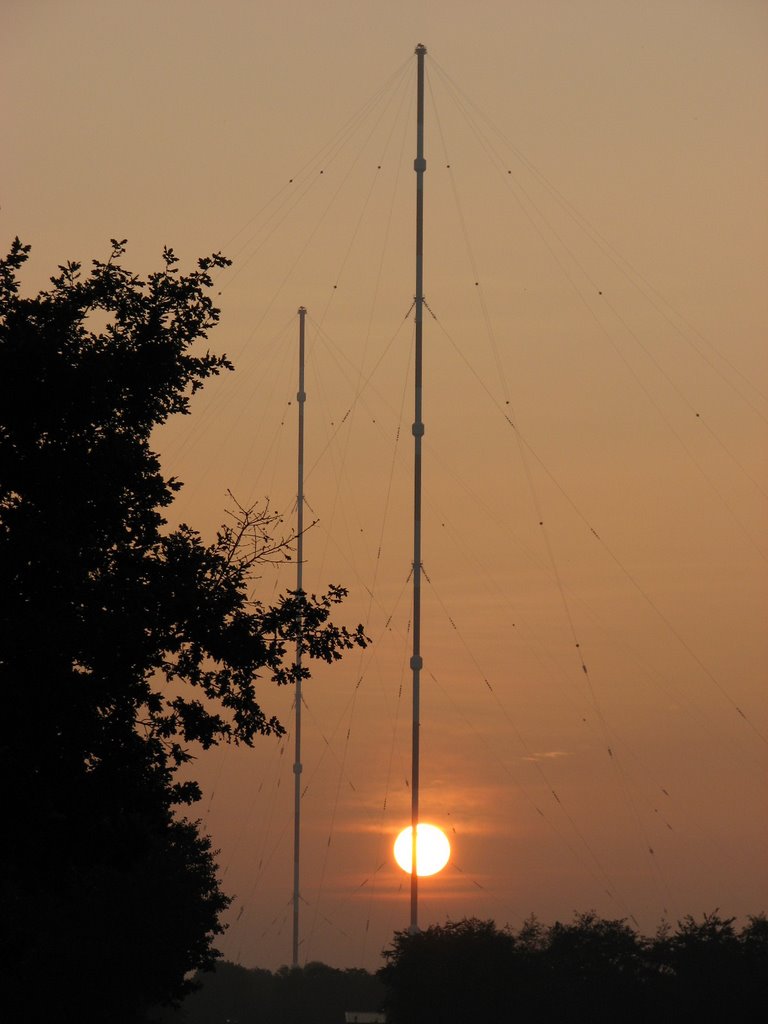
300, 398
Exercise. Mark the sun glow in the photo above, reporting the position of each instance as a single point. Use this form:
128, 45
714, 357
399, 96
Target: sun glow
432, 849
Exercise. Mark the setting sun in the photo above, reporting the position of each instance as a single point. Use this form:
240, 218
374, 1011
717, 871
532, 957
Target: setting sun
432, 850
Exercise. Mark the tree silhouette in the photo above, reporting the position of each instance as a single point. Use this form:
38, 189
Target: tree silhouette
122, 642
448, 974
592, 969
709, 970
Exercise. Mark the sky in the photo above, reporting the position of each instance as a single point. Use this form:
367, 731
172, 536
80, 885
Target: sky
594, 722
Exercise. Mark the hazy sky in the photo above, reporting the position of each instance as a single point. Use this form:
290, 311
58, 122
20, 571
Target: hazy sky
595, 455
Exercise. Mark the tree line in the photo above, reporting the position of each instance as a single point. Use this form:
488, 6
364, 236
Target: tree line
471, 971
313, 994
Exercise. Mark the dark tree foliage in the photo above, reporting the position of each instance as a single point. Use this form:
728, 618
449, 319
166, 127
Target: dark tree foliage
424, 972
710, 970
590, 970
122, 642
592, 961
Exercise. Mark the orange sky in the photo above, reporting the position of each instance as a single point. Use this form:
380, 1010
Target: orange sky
615, 220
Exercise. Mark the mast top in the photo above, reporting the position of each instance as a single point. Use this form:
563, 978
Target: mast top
420, 49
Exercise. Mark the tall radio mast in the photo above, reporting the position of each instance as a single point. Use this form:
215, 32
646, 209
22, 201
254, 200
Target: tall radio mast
420, 166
